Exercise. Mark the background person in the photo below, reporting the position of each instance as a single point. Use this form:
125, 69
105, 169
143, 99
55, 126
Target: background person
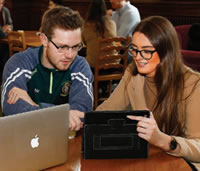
159, 81
5, 20
52, 74
126, 17
97, 25
5, 27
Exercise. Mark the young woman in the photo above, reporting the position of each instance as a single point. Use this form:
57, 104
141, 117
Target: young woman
97, 25
159, 81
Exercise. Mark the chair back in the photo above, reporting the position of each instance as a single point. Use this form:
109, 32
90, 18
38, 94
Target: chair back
111, 62
16, 42
182, 32
191, 58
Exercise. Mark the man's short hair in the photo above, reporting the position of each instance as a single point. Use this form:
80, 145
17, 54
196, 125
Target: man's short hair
60, 17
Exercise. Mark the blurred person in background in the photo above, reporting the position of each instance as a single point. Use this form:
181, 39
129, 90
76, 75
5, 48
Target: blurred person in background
97, 24
126, 17
5, 20
6, 25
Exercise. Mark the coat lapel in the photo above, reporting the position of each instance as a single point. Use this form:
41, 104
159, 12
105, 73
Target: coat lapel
139, 102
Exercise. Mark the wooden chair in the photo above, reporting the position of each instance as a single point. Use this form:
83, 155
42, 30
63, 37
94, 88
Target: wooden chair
111, 63
16, 42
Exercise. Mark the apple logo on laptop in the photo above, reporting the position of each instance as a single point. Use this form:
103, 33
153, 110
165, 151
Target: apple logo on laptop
35, 142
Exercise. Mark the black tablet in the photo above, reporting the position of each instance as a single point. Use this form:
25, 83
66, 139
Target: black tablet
110, 134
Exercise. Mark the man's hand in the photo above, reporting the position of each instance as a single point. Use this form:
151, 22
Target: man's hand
17, 93
75, 122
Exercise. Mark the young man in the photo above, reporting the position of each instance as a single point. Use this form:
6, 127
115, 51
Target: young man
53, 73
126, 17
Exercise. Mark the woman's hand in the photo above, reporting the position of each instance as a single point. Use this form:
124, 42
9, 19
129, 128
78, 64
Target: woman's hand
147, 129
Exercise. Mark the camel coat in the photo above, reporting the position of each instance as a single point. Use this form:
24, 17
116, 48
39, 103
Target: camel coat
134, 94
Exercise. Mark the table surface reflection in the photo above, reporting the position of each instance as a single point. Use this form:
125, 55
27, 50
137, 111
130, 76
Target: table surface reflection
158, 160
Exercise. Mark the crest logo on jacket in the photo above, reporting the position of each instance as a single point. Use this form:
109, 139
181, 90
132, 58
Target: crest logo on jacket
65, 88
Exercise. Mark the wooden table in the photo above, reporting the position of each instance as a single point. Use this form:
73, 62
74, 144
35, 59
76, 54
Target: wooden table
32, 40
157, 161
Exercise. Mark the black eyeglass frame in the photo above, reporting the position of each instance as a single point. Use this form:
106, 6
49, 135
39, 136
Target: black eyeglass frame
140, 51
80, 46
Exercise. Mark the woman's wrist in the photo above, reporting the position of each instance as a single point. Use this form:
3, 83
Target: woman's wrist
168, 143
164, 142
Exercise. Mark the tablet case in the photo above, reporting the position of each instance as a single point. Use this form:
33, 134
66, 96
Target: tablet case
110, 135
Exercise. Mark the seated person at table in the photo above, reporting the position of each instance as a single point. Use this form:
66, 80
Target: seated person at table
97, 25
5, 20
158, 80
52, 74
5, 26
126, 16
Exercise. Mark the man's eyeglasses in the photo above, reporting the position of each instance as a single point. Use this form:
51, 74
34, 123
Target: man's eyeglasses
63, 49
146, 54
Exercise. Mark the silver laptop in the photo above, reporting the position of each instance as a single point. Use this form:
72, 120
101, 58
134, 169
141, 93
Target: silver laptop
34, 140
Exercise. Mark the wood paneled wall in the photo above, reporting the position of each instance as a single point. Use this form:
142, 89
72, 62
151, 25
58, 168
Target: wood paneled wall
27, 14
178, 12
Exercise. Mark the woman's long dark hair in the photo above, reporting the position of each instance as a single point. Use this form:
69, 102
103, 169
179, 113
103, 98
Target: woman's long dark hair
169, 78
96, 14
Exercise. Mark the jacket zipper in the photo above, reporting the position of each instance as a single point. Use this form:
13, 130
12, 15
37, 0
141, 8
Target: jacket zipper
51, 83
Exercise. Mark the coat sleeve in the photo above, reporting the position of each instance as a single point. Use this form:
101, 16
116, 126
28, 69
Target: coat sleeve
190, 145
81, 90
111, 28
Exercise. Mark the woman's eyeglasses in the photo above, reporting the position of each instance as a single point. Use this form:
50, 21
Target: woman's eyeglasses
146, 54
